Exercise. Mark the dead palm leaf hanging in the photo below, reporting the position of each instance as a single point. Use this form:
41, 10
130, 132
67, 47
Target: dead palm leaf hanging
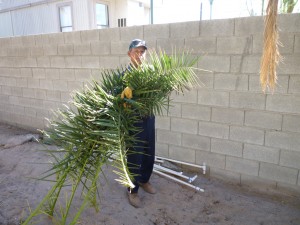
270, 56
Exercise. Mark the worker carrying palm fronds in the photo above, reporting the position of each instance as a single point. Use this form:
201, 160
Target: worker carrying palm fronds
140, 158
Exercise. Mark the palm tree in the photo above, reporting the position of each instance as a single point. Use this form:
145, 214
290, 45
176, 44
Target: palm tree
95, 129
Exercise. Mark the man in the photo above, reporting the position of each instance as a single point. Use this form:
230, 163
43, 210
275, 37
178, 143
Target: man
140, 159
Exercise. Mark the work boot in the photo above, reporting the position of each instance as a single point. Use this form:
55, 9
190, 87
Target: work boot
134, 199
148, 187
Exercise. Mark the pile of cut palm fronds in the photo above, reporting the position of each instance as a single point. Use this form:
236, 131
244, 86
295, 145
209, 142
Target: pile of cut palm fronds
95, 129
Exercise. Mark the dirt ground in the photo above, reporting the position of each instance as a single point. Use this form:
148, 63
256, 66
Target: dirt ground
221, 203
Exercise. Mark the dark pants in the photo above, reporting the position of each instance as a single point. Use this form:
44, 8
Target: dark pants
140, 159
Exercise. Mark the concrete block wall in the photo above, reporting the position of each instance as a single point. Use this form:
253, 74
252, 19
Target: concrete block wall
243, 135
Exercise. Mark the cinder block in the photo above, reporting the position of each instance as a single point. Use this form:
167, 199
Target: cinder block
287, 43
82, 49
3, 51
73, 37
184, 30
9, 81
29, 102
246, 135
25, 62
28, 40
182, 154
184, 125
196, 142
24, 51
261, 153
46, 84
174, 110
225, 175
297, 44
283, 140
5, 90
242, 166
168, 137
251, 64
67, 74
156, 31
21, 82
290, 159
294, 84
112, 34
5, 42
43, 61
33, 82
65, 96
109, 62
263, 119
37, 51
58, 61
102, 48
42, 113
228, 116
210, 159
38, 73
226, 147
51, 105
204, 79
258, 43
73, 61
7, 62
278, 173
50, 50
186, 97
162, 150
231, 82
216, 130
118, 47
16, 72
213, 28
197, 112
288, 188
291, 123
16, 91
16, 41
90, 35
52, 73
213, 98
283, 103
289, 22
215, 63
40, 94
60, 85
6, 99
90, 61
83, 74
234, 45
75, 85
281, 86
30, 112
162, 122
169, 45
248, 25
202, 45
55, 38
53, 95
28, 92
291, 64
66, 49
130, 33
246, 100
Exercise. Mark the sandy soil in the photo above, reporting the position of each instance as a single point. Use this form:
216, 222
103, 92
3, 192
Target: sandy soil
221, 203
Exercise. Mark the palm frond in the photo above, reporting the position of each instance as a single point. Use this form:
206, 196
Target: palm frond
98, 126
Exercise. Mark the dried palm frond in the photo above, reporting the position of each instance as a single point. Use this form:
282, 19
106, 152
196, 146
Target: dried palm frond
270, 56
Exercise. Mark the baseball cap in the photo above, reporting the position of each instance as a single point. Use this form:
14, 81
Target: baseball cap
137, 43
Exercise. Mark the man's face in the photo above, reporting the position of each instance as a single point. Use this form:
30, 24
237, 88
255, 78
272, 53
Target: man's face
137, 55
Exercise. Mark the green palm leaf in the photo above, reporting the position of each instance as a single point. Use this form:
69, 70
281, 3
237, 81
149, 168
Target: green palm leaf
96, 128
